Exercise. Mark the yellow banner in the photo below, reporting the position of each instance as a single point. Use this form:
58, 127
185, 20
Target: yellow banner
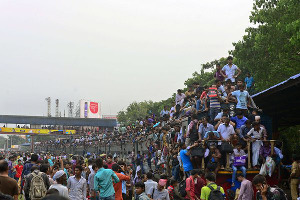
4, 130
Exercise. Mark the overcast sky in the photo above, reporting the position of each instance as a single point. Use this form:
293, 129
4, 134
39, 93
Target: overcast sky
111, 51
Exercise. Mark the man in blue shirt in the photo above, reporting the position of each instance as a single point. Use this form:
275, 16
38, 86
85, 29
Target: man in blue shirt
185, 158
103, 181
249, 81
239, 120
243, 99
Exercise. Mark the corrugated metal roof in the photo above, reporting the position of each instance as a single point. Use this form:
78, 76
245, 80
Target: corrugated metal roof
277, 85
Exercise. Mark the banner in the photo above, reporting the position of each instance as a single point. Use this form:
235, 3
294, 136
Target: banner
89, 109
4, 130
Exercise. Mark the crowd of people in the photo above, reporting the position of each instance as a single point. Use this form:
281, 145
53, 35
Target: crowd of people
208, 128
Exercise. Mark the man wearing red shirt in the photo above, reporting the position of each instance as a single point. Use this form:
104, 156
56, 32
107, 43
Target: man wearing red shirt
118, 186
109, 161
190, 185
19, 169
199, 183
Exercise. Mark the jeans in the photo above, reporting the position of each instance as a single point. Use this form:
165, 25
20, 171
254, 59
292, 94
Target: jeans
198, 105
175, 172
235, 168
213, 112
112, 197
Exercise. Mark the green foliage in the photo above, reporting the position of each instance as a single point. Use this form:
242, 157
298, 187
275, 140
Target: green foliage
291, 141
140, 110
271, 50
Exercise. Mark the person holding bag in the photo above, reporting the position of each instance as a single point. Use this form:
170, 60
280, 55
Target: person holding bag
239, 161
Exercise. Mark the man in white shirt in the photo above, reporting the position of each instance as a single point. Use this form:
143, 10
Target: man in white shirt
228, 71
226, 130
179, 97
149, 183
61, 178
164, 112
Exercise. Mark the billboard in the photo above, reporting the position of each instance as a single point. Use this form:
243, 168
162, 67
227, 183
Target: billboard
89, 109
25, 131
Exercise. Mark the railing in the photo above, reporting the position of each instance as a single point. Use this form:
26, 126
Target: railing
227, 167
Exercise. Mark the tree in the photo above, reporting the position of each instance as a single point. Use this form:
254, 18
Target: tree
271, 51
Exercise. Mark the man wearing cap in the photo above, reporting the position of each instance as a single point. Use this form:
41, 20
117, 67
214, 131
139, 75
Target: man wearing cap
61, 180
159, 192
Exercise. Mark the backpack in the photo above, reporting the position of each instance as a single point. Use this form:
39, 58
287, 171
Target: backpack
37, 187
215, 194
283, 196
194, 132
181, 188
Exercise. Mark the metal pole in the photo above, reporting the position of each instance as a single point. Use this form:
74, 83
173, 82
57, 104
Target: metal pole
32, 144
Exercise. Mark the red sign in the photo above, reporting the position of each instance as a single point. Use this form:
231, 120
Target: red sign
94, 107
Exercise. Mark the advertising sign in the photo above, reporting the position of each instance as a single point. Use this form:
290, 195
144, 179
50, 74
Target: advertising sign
89, 109
4, 130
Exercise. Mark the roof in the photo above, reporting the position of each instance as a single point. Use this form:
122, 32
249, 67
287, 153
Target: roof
279, 85
281, 102
64, 121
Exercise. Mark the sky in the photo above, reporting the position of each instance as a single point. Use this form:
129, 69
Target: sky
110, 51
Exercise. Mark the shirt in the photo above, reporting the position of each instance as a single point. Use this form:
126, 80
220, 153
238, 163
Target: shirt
19, 169
77, 188
91, 181
109, 165
244, 130
256, 134
204, 129
219, 76
226, 131
118, 185
103, 181
164, 112
214, 102
179, 98
246, 191
171, 192
190, 186
242, 98
249, 81
8, 186
143, 196
123, 185
230, 72
63, 190
160, 195
149, 184
239, 122
186, 162
205, 191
